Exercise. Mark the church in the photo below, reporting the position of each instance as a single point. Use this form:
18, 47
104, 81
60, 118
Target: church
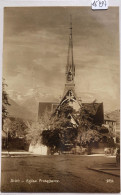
69, 94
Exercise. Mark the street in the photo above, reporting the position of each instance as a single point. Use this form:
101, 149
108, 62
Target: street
64, 173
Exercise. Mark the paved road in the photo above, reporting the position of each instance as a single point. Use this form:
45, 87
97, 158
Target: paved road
64, 173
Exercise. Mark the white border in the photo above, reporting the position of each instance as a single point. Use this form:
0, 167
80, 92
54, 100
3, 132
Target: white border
34, 3
18, 3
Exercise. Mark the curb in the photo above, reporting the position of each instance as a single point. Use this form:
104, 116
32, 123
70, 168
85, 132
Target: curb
101, 171
14, 156
20, 156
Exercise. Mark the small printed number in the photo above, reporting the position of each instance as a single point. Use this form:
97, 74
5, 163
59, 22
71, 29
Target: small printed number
109, 181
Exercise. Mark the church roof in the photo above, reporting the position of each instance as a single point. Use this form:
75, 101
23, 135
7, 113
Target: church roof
97, 110
92, 107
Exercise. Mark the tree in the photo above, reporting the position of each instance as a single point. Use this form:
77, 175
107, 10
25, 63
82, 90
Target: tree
71, 128
5, 102
34, 129
89, 137
62, 132
111, 143
61, 137
89, 131
17, 128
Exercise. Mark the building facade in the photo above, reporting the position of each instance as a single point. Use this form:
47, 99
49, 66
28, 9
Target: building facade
69, 94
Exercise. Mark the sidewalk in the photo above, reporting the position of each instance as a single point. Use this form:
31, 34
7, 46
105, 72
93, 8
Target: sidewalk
26, 153
16, 154
107, 168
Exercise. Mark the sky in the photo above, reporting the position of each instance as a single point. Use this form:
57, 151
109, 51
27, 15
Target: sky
35, 46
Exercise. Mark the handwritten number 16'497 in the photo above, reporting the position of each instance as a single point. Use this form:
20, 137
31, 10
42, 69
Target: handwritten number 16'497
99, 3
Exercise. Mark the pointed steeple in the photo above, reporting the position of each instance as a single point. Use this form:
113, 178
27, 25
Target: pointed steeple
70, 68
69, 96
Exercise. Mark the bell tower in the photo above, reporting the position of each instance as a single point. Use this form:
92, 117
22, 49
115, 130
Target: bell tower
70, 67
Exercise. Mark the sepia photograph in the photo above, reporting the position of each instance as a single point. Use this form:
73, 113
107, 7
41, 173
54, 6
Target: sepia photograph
60, 100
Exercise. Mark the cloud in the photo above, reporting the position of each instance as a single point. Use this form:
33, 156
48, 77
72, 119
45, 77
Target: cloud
36, 45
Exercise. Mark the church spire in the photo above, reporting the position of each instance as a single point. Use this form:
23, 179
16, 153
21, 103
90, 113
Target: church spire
70, 68
69, 95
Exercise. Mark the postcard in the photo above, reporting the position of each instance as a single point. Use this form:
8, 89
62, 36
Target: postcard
60, 98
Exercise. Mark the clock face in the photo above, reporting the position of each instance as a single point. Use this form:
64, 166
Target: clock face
69, 76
